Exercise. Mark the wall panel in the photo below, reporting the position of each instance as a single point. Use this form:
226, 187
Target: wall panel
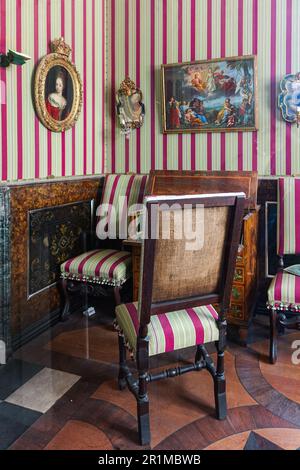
182, 30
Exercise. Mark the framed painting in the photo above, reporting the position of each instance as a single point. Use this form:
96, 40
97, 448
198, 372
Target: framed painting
218, 95
57, 89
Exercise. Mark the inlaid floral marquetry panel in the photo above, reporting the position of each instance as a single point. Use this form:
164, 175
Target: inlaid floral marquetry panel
54, 237
44, 252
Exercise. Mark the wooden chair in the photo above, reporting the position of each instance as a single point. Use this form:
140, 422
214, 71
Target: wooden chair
102, 269
284, 290
178, 286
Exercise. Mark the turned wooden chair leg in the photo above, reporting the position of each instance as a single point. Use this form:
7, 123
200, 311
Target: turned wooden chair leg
142, 396
122, 363
198, 354
117, 295
220, 385
66, 300
143, 411
273, 336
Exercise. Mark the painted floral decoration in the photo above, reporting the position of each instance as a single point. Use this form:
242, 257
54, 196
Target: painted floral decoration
289, 97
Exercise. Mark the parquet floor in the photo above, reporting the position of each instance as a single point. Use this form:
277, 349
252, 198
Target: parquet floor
59, 392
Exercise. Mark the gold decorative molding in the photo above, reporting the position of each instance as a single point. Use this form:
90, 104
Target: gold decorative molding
61, 47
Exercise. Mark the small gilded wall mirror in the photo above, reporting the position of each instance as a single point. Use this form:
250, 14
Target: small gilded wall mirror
57, 89
130, 108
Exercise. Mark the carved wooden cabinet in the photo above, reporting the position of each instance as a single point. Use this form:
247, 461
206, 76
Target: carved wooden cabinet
245, 284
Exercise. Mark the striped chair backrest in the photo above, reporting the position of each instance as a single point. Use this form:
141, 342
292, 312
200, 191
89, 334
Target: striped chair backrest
288, 230
118, 189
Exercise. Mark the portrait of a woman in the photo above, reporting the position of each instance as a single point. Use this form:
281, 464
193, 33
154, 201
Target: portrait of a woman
58, 93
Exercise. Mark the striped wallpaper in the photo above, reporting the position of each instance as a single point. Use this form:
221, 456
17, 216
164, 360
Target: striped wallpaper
27, 149
112, 38
143, 34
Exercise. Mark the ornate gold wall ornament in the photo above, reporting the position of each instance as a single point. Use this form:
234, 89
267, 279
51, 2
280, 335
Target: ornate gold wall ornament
57, 89
130, 108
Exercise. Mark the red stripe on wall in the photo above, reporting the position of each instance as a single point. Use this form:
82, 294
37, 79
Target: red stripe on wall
63, 135
288, 137
223, 54
209, 52
254, 51
84, 90
152, 81
138, 78
36, 121
273, 90
113, 87
73, 59
49, 134
19, 91
93, 85
164, 58
103, 87
3, 91
297, 216
193, 54
240, 52
180, 60
126, 74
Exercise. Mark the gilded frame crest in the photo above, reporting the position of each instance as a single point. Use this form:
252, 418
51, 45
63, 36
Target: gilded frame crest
58, 89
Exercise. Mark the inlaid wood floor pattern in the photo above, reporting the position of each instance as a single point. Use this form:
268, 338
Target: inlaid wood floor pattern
74, 366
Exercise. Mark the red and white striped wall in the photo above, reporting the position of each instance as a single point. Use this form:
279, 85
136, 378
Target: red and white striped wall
27, 149
112, 38
143, 34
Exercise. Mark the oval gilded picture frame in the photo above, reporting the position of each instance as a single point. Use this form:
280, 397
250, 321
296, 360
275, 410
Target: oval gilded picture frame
57, 89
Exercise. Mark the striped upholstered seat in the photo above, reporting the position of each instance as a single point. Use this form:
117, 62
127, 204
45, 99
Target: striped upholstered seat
109, 267
284, 292
169, 331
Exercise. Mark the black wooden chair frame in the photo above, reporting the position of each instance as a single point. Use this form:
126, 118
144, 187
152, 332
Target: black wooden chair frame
89, 241
138, 385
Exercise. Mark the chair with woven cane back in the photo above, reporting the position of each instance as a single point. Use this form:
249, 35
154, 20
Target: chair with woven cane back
106, 268
284, 291
180, 280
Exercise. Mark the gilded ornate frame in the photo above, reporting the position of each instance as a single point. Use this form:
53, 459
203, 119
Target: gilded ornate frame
59, 57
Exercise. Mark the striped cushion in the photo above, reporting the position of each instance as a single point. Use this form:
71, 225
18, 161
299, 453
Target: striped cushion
110, 267
131, 187
288, 231
284, 292
169, 331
